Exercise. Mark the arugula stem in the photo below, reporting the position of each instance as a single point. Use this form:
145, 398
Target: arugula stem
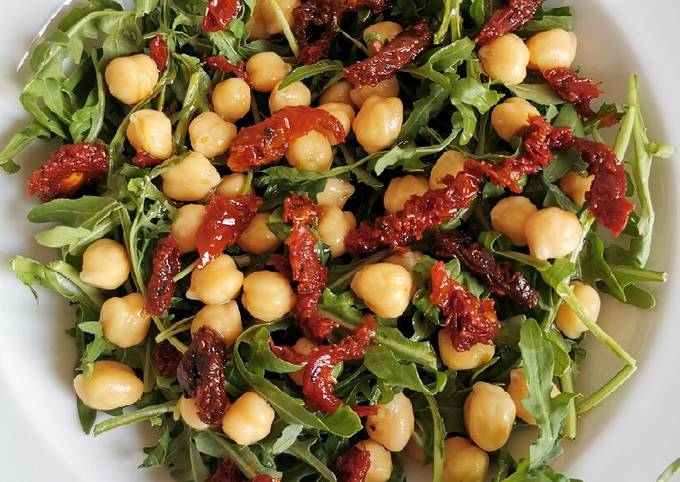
185, 272
287, 32
355, 42
177, 327
567, 384
598, 396
374, 258
438, 440
137, 416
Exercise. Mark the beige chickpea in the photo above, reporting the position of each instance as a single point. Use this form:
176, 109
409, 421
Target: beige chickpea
505, 59
248, 420
567, 321
509, 216
232, 185
489, 414
387, 30
231, 99
224, 319
296, 94
518, 391
311, 152
511, 118
380, 469
217, 283
470, 359
334, 226
151, 131
211, 135
343, 113
191, 179
189, 413
401, 189
552, 233
124, 321
304, 346
105, 264
265, 70
258, 238
267, 295
464, 461
336, 193
185, 226
393, 425
385, 89
337, 93
552, 49
112, 385
451, 163
131, 79
378, 123
256, 24
385, 288
271, 22
406, 259
576, 187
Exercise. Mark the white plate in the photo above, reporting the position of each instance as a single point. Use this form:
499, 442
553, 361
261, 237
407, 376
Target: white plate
631, 437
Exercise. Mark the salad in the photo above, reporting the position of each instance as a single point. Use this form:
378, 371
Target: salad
305, 239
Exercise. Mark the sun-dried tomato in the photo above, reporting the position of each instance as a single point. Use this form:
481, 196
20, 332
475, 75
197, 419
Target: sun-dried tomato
501, 278
144, 159
68, 169
365, 410
227, 471
353, 465
264, 478
508, 19
158, 51
166, 264
394, 56
281, 264
219, 14
223, 65
201, 375
607, 196
224, 222
578, 91
469, 319
167, 358
267, 141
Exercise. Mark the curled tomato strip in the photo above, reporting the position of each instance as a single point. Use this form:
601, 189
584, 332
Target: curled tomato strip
223, 65
158, 51
144, 159
578, 91
508, 19
167, 358
353, 465
166, 264
219, 14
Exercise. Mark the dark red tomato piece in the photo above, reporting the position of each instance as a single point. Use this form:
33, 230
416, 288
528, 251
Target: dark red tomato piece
579, 91
353, 465
144, 159
166, 264
512, 17
158, 51
219, 14
223, 65
167, 358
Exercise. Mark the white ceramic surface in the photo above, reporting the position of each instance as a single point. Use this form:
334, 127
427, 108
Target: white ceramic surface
629, 438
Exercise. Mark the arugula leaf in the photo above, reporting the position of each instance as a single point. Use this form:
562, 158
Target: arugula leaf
424, 109
671, 470
216, 445
19, 142
301, 450
382, 362
398, 155
306, 71
149, 413
541, 94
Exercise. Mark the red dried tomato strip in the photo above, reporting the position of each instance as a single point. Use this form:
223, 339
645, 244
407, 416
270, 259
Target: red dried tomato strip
224, 222
267, 141
501, 278
219, 14
264, 478
223, 65
167, 358
469, 319
158, 51
365, 410
513, 17
68, 169
392, 57
579, 91
281, 264
227, 471
353, 465
144, 159
166, 264
201, 375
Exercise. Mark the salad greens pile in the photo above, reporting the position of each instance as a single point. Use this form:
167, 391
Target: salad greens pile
448, 103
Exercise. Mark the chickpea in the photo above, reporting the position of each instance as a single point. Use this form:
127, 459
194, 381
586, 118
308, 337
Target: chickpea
258, 238
449, 164
380, 469
378, 123
464, 461
567, 321
271, 22
248, 420
151, 131
294, 95
518, 391
211, 135
189, 413
489, 414
112, 385
552, 49
124, 321
576, 187
385, 288
344, 113
191, 179
311, 152
509, 216
475, 357
552, 233
337, 93
131, 79
387, 30
335, 193
231, 99
224, 319
256, 24
406, 259
505, 59
232, 185
334, 226
185, 226
401, 189
385, 89
304, 346
219, 282
511, 118
105, 264
267, 295
393, 425
266, 69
